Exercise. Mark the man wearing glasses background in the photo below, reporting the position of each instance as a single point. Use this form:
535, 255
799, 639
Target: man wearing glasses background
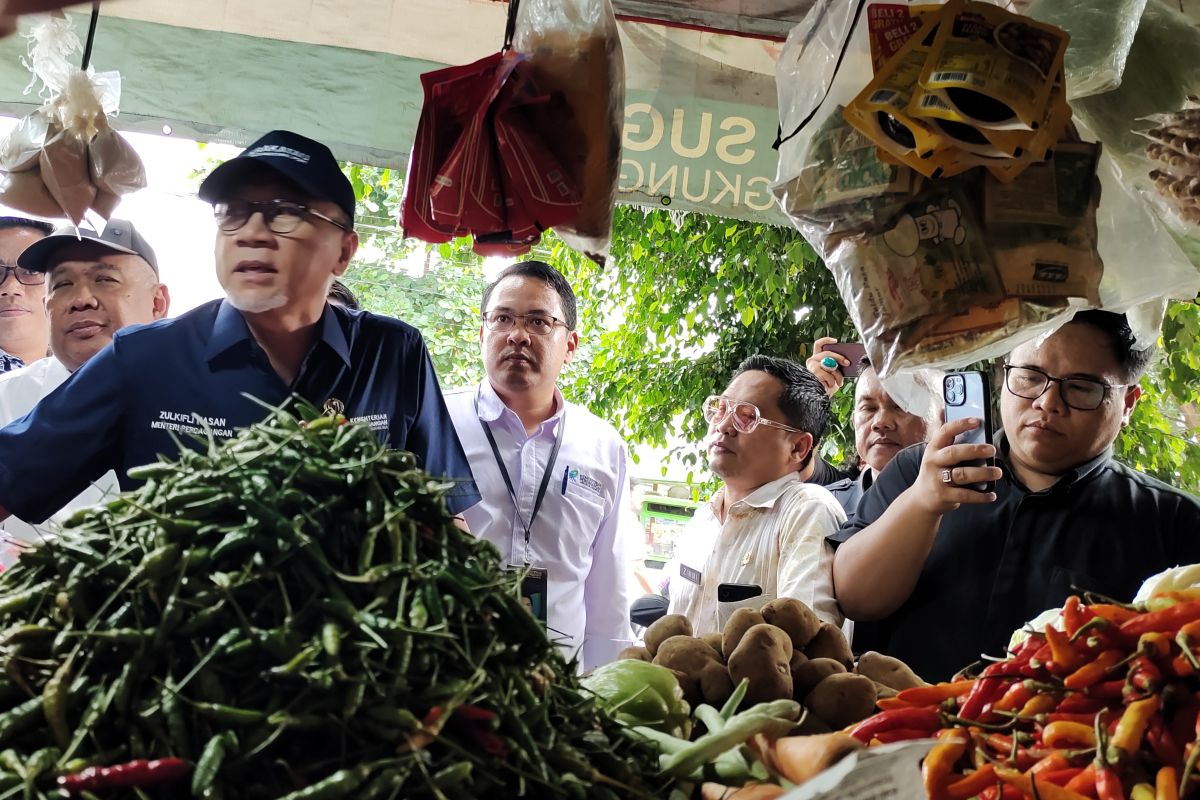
96, 284
24, 327
553, 476
284, 214
765, 527
926, 553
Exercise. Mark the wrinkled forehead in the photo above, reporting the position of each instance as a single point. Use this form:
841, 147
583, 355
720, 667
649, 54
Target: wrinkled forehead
869, 387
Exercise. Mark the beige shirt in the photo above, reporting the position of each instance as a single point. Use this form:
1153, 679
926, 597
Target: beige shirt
774, 538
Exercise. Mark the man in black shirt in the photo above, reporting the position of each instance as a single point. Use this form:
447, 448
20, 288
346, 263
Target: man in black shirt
948, 572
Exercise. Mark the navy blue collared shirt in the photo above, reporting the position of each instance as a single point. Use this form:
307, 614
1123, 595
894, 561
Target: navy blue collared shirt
125, 406
9, 362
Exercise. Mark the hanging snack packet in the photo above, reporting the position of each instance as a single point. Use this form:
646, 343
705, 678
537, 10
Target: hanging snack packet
990, 68
841, 174
1174, 150
879, 110
891, 25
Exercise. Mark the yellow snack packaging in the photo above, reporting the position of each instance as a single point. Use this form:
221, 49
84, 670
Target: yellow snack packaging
879, 110
891, 25
990, 68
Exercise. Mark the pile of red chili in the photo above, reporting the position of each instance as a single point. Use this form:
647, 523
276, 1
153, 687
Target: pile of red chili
1107, 707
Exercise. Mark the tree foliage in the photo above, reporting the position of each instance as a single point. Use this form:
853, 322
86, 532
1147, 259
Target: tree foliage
684, 299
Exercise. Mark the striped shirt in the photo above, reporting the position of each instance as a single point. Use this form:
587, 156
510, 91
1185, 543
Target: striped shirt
9, 363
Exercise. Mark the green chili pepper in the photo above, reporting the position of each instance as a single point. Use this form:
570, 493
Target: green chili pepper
210, 761
230, 715
338, 785
54, 703
331, 638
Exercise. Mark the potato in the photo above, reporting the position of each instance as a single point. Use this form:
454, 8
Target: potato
739, 622
842, 699
713, 640
887, 670
883, 691
798, 621
664, 628
798, 658
800, 758
697, 660
635, 653
763, 657
807, 675
830, 643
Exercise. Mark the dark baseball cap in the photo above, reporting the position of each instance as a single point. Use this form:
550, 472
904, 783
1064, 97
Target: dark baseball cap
119, 237
307, 163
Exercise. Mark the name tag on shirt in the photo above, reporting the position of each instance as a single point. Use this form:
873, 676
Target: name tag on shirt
689, 574
534, 591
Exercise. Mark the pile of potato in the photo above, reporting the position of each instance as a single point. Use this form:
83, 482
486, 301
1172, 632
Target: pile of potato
785, 652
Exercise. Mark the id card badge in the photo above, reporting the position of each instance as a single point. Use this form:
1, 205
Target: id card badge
534, 591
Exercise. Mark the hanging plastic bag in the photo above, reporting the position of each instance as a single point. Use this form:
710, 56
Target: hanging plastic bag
1101, 37
945, 273
65, 159
574, 50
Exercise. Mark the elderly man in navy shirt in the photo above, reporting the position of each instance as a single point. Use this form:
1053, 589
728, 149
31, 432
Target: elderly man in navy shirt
284, 214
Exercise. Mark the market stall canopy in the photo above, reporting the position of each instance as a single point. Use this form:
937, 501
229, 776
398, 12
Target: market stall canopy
700, 104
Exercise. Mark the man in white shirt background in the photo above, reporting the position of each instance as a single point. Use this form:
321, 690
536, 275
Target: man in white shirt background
96, 284
765, 527
552, 475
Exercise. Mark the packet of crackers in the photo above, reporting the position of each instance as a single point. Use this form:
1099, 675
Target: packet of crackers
1174, 150
991, 68
891, 25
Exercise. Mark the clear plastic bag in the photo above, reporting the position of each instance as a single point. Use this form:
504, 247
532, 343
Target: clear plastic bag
574, 50
65, 159
913, 261
1101, 37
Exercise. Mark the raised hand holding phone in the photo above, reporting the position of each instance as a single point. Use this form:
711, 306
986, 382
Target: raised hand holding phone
967, 397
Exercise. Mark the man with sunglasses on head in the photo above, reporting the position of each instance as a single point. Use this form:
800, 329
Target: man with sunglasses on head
765, 527
24, 326
552, 474
284, 214
926, 552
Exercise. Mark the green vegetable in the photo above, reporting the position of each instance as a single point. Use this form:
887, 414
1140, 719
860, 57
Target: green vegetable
641, 693
307, 589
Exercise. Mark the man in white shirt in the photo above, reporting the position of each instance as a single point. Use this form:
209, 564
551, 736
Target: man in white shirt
96, 284
765, 528
552, 475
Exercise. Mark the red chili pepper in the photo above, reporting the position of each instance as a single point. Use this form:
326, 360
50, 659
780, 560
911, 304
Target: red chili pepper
1082, 704
1015, 698
1144, 677
1061, 777
1169, 620
925, 719
1073, 615
474, 713
1109, 690
135, 774
1117, 615
1085, 782
1108, 785
987, 689
932, 695
1163, 743
431, 718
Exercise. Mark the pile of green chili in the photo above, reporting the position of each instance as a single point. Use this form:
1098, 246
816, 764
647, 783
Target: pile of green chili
290, 614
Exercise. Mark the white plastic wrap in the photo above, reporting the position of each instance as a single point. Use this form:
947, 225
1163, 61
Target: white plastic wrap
1101, 37
905, 253
574, 48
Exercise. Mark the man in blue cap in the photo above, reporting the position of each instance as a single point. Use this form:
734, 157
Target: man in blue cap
285, 215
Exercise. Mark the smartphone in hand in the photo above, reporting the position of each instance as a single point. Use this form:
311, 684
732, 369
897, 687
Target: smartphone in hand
854, 352
967, 395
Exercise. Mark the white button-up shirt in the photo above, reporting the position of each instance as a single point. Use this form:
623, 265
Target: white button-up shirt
773, 538
20, 391
578, 536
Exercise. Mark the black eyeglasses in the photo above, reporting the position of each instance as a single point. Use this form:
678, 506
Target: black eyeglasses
505, 321
1081, 394
25, 277
280, 216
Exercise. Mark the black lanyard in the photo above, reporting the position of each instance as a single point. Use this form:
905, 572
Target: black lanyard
512, 494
